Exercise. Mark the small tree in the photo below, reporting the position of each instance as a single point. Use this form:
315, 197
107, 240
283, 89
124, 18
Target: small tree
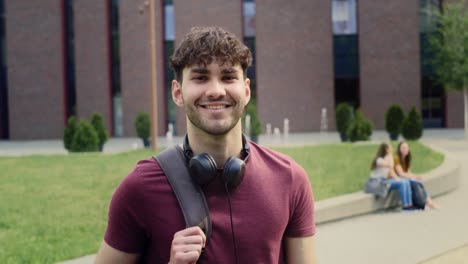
360, 128
98, 123
412, 125
69, 132
143, 127
450, 48
393, 120
343, 118
85, 138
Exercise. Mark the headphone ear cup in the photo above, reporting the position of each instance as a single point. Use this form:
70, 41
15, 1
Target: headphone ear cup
202, 168
233, 172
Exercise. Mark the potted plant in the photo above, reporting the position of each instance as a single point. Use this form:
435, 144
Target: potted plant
142, 126
98, 123
255, 124
85, 138
360, 128
69, 132
343, 118
412, 128
393, 120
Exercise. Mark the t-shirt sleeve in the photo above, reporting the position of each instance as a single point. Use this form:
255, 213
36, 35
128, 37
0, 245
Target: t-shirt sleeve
302, 215
125, 231
380, 161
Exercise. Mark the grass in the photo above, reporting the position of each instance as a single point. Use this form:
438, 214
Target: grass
54, 208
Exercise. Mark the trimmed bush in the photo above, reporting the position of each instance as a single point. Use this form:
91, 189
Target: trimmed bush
85, 138
343, 118
412, 125
98, 123
393, 121
143, 127
360, 128
69, 132
255, 123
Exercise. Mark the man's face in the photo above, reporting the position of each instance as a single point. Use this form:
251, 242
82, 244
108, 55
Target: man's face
214, 97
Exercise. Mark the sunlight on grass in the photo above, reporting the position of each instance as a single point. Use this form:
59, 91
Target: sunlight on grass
54, 208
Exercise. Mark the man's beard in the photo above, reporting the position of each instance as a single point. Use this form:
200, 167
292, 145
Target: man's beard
215, 127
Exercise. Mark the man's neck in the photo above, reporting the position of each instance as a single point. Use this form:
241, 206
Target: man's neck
219, 147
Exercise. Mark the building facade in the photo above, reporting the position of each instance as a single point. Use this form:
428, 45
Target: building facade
64, 57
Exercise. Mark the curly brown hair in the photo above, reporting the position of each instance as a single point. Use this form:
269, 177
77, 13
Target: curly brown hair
202, 45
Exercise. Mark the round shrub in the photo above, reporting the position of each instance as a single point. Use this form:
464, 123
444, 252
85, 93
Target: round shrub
85, 138
98, 123
69, 132
412, 125
255, 123
393, 120
343, 118
360, 128
143, 127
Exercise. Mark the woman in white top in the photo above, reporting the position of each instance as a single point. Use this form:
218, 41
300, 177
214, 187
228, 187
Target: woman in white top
383, 167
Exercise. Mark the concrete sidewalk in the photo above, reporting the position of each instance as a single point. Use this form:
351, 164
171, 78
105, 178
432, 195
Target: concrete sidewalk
402, 237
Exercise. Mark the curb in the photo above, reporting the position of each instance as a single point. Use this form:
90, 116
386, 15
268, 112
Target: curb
439, 181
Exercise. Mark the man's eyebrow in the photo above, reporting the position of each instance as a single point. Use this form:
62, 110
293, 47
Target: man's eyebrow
199, 71
229, 71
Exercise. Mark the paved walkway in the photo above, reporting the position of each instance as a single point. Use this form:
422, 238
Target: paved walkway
430, 237
400, 237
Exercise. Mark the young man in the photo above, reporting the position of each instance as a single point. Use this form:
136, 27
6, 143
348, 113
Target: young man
267, 218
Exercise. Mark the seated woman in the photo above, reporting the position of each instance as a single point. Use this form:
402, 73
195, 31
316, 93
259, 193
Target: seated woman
382, 167
402, 162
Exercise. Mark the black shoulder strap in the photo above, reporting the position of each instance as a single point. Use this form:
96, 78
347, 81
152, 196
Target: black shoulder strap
189, 194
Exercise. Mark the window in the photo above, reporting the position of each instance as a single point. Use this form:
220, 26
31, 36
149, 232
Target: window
169, 36
117, 115
4, 130
345, 52
69, 43
432, 94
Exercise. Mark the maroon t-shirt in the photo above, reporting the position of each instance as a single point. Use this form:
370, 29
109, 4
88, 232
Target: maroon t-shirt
273, 201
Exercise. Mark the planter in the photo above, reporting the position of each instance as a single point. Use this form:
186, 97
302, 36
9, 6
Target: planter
394, 136
146, 142
343, 137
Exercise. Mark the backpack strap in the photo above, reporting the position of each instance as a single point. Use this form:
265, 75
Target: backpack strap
191, 199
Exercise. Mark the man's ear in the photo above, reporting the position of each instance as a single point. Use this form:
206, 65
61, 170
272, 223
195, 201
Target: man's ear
177, 93
247, 90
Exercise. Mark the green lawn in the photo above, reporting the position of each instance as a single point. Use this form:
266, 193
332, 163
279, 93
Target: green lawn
54, 208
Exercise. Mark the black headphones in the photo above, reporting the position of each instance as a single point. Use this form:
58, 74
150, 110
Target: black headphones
203, 168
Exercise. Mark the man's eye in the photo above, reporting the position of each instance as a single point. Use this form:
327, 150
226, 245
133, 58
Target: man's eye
200, 78
229, 78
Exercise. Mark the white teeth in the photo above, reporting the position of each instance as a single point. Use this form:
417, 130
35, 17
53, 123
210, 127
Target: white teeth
215, 106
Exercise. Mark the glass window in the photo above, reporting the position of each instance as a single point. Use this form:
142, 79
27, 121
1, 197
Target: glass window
4, 130
69, 39
249, 18
169, 31
344, 17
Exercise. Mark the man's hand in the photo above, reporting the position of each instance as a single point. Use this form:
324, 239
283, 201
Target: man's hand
187, 245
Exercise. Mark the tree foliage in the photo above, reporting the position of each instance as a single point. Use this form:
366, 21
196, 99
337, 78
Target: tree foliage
449, 45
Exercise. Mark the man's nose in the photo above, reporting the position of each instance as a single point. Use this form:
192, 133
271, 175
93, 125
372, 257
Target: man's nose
216, 89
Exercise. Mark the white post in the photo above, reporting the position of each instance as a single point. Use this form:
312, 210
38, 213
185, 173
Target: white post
324, 121
268, 129
286, 128
247, 125
277, 133
169, 135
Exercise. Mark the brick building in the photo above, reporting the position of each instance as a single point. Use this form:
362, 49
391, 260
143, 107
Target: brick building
65, 57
